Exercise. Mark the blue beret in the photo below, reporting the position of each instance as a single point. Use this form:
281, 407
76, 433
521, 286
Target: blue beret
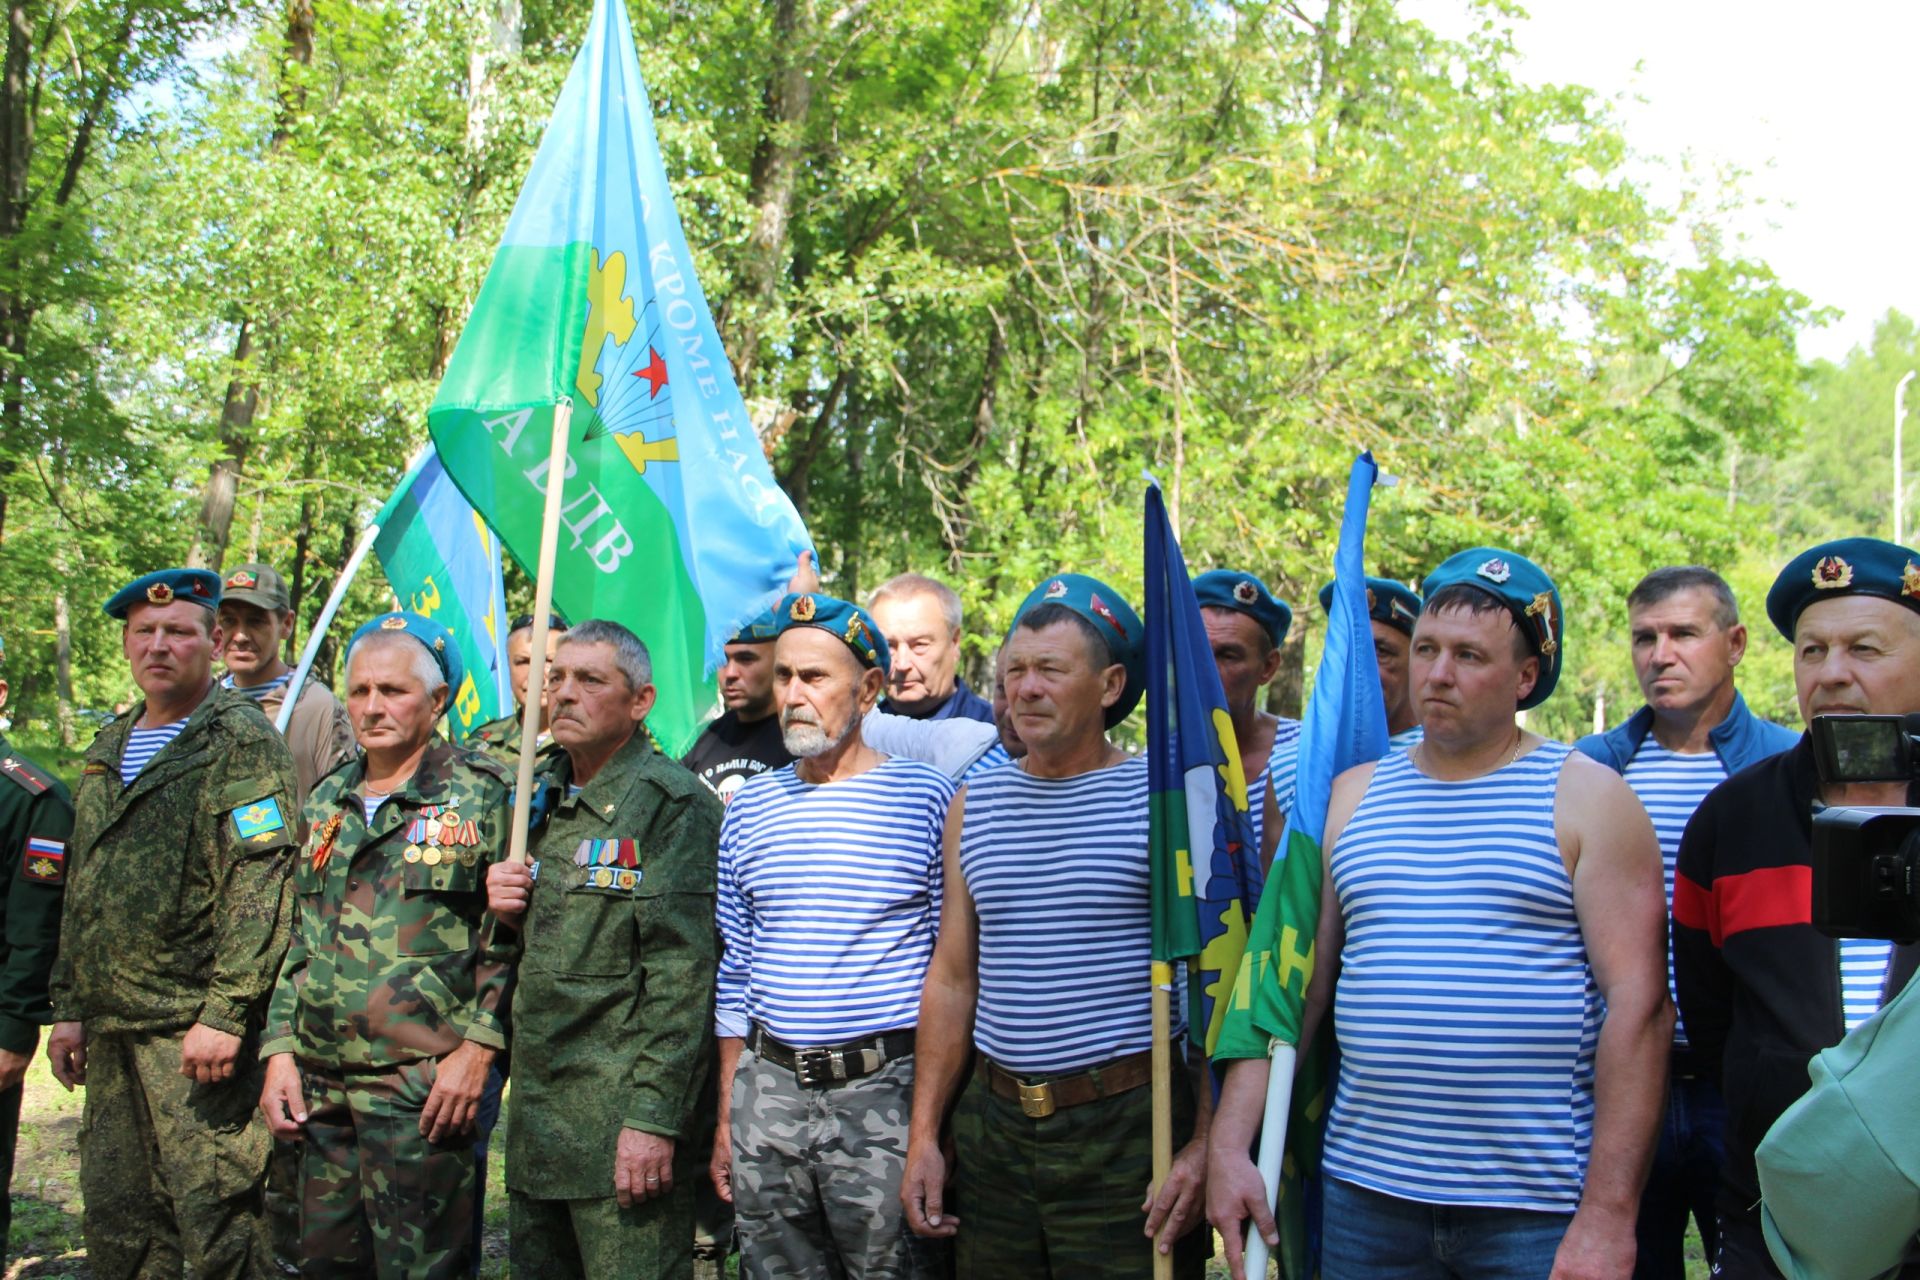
164, 586
853, 625
1844, 567
438, 641
1528, 593
1387, 601
1108, 612
1244, 593
759, 629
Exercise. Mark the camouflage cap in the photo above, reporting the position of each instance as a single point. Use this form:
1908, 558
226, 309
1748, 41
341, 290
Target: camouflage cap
257, 584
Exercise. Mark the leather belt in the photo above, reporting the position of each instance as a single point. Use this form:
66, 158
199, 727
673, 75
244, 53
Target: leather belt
824, 1066
1039, 1099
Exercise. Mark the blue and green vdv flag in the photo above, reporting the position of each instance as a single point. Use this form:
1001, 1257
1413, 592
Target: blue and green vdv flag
1199, 832
671, 521
444, 563
1345, 725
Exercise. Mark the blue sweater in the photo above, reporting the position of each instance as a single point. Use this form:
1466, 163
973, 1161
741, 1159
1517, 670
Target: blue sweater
1740, 740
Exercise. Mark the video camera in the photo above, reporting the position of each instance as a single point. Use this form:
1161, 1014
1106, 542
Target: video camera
1866, 862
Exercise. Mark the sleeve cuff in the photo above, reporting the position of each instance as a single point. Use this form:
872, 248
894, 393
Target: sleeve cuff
18, 1035
223, 1015
487, 1036
279, 1044
728, 1022
646, 1124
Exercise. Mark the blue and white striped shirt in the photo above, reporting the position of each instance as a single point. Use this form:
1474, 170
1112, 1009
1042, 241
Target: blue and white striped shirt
258, 692
1057, 869
829, 898
1466, 1011
1863, 975
1671, 786
143, 745
1285, 758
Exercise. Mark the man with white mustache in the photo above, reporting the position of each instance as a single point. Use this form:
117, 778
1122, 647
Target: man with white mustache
830, 885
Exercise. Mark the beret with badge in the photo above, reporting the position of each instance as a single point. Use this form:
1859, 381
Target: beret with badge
1109, 614
163, 587
853, 625
762, 628
436, 639
1244, 593
1843, 567
1387, 601
1529, 595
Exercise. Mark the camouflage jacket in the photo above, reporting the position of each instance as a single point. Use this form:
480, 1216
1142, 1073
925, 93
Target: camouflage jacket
390, 960
36, 823
614, 1013
176, 910
501, 740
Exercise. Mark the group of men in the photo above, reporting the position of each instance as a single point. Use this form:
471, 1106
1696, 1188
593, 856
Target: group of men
859, 987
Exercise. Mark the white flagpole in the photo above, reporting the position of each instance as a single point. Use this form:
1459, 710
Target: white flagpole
542, 610
320, 625
1273, 1144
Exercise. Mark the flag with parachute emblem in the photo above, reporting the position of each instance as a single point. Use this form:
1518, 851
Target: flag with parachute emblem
1199, 834
1345, 725
671, 522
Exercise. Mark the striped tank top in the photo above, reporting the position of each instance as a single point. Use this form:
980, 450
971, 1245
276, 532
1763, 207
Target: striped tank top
1466, 1012
1671, 786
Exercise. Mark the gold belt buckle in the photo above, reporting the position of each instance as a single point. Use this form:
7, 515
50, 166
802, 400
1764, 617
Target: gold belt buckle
1036, 1101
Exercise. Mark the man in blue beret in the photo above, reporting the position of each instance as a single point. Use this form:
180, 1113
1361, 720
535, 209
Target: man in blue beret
1044, 937
175, 921
1761, 990
830, 879
1246, 625
1392, 610
1493, 918
1694, 730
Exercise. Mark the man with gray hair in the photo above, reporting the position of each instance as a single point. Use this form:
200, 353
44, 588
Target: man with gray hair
617, 956
920, 618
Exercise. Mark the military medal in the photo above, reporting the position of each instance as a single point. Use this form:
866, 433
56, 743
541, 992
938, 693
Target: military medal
627, 879
431, 855
412, 854
325, 848
604, 877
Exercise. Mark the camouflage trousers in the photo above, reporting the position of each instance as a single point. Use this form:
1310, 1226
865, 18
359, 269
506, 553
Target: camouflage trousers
1060, 1197
376, 1198
816, 1176
596, 1239
171, 1171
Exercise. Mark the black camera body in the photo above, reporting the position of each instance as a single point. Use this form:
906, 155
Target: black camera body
1866, 861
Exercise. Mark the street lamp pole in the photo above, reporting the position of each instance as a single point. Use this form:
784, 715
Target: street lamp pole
1899, 471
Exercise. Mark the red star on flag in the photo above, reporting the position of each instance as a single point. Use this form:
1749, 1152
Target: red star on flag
655, 373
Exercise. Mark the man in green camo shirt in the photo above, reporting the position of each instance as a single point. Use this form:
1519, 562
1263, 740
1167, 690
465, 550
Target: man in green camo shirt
36, 821
174, 925
617, 973
501, 738
391, 1006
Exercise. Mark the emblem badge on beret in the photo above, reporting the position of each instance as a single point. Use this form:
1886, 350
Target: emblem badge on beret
198, 587
1056, 589
1910, 580
1496, 571
242, 580
393, 622
803, 609
1099, 606
1831, 573
159, 593
1245, 592
439, 644
1542, 608
1371, 605
857, 633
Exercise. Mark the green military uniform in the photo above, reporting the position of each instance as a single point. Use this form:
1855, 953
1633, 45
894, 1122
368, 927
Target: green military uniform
175, 914
389, 971
615, 1015
501, 740
36, 822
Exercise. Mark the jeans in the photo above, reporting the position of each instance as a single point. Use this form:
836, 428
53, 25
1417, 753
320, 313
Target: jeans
1684, 1181
484, 1119
1369, 1236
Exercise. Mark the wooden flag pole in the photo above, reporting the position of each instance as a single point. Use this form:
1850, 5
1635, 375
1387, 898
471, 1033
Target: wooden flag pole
542, 610
1162, 1097
1273, 1143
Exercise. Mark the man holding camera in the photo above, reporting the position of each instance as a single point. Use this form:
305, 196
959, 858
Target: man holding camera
1761, 990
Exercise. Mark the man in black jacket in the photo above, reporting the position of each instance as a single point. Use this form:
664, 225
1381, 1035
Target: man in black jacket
1761, 991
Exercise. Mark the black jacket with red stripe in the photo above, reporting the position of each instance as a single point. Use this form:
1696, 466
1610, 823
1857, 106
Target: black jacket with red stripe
1759, 987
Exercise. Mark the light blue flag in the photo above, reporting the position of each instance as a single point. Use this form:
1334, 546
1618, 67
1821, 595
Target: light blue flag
443, 563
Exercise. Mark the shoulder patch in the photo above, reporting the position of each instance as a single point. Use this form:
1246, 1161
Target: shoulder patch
44, 860
29, 775
260, 822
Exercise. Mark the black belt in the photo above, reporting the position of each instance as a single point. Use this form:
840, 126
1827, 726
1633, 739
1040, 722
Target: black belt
824, 1066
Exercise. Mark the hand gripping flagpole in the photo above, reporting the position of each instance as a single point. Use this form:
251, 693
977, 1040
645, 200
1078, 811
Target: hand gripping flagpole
1273, 1143
542, 610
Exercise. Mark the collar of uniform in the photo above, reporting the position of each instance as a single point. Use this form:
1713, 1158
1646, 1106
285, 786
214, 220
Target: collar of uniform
603, 794
112, 740
427, 785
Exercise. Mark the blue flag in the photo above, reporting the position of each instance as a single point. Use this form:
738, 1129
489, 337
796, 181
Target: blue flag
444, 564
1205, 866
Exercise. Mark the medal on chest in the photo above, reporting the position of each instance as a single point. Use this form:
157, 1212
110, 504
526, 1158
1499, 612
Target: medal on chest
439, 834
324, 849
609, 864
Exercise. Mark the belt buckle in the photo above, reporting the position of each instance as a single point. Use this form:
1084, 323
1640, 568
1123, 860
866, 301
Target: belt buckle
1036, 1101
813, 1067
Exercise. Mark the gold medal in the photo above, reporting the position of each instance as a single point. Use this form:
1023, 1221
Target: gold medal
412, 854
603, 877
430, 855
628, 880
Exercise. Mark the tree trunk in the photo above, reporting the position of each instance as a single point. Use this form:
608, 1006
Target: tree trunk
16, 149
63, 667
302, 542
223, 482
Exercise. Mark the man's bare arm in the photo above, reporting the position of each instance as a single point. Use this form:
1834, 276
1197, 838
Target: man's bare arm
941, 1042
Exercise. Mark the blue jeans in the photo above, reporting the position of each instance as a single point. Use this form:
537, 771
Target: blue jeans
487, 1116
1684, 1181
1369, 1236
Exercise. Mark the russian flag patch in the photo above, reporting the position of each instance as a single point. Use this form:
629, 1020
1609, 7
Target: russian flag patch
44, 860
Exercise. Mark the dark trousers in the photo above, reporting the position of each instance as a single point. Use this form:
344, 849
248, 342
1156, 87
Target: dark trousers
1685, 1178
9, 1135
483, 1123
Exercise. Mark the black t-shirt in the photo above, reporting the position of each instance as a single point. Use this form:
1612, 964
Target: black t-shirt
729, 752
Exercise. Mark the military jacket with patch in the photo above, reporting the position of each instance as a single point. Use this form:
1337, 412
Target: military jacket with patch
391, 958
175, 905
613, 1015
36, 824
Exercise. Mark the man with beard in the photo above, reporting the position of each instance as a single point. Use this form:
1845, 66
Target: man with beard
829, 891
744, 741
